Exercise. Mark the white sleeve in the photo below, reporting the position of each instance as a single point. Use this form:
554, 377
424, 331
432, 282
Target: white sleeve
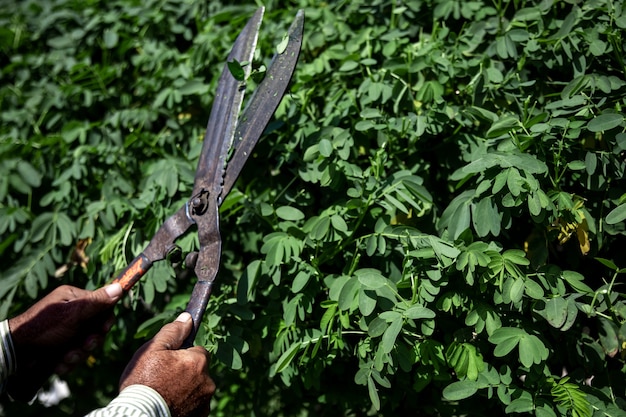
7, 354
135, 401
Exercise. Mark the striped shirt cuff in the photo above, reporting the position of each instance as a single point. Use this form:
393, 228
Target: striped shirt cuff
7, 354
135, 400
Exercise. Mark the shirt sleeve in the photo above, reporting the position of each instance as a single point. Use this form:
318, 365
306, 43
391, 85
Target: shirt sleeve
7, 354
135, 401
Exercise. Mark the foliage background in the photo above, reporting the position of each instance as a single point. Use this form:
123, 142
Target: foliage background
432, 224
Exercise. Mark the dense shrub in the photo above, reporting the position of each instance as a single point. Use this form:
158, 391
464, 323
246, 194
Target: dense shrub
432, 224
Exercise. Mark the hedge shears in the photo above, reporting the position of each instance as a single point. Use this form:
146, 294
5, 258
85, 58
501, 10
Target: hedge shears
228, 143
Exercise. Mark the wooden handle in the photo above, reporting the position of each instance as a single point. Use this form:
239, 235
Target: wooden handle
135, 270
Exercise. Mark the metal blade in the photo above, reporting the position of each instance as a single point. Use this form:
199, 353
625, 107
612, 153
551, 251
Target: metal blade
226, 106
216, 180
263, 103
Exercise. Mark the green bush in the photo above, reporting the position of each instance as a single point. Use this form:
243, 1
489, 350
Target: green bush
432, 224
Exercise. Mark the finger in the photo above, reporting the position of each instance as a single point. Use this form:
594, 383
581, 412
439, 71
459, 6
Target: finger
67, 293
107, 295
172, 335
99, 300
200, 350
200, 358
199, 355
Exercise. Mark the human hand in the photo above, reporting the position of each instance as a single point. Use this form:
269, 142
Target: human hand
179, 375
57, 333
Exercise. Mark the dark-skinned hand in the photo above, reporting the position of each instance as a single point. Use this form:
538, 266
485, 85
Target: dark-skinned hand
179, 375
57, 333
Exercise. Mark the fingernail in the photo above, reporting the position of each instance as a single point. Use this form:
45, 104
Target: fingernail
114, 290
184, 317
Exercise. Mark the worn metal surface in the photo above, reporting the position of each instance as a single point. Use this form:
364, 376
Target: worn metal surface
215, 176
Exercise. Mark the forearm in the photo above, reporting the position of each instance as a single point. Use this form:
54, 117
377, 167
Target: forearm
135, 400
7, 354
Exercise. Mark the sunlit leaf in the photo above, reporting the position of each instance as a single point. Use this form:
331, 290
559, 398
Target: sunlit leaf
460, 390
605, 121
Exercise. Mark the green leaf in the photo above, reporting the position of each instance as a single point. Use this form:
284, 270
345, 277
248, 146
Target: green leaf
391, 334
465, 360
327, 318
282, 45
286, 358
148, 290
289, 213
29, 174
531, 350
419, 312
348, 293
460, 220
506, 346
485, 217
576, 165
555, 311
571, 397
377, 327
503, 125
575, 280
300, 281
41, 225
523, 404
110, 39
371, 245
608, 263
373, 393
320, 230
506, 339
617, 215
460, 390
534, 204
236, 70
544, 411
609, 339
193, 87
572, 314
605, 121
370, 278
325, 148
339, 223
367, 301
516, 256
517, 290
348, 66
442, 248
533, 290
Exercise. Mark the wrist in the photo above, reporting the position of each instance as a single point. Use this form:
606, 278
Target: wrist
16, 330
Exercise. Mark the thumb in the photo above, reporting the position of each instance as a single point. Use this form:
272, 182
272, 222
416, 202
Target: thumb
172, 335
106, 296
100, 299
